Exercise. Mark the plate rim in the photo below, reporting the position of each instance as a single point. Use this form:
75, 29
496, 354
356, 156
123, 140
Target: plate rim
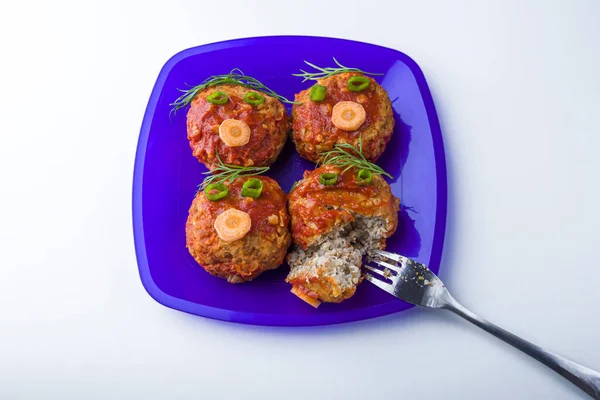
279, 319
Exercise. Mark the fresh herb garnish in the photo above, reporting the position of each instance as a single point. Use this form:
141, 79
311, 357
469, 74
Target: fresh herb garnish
235, 77
328, 71
346, 156
227, 172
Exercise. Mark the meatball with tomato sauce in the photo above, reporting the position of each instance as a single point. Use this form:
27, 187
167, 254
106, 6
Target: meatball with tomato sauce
245, 127
337, 218
340, 109
238, 230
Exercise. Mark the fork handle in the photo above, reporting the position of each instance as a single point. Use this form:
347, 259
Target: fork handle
582, 377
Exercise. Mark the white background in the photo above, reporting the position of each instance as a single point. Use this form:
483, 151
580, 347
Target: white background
517, 89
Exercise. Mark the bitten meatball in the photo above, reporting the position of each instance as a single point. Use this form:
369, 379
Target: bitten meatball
333, 227
314, 122
264, 243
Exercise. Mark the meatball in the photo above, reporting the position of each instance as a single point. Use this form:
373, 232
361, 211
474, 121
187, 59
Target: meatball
262, 248
315, 132
333, 227
268, 125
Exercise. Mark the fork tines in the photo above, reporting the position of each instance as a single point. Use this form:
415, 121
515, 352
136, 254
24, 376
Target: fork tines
390, 271
402, 277
383, 277
392, 256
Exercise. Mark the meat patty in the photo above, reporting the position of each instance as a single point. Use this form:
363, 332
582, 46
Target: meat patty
263, 248
315, 133
333, 227
268, 122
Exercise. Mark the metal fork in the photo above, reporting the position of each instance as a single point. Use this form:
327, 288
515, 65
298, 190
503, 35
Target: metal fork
415, 283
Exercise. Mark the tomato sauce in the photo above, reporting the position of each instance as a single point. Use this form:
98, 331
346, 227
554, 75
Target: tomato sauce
317, 208
268, 124
317, 115
271, 201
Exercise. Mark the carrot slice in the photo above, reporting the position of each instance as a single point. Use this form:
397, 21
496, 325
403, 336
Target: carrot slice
234, 132
348, 115
303, 296
232, 225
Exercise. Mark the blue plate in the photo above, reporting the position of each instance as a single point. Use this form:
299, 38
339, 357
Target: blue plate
166, 176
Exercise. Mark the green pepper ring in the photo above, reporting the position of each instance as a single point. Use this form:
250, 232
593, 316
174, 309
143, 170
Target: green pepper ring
221, 191
218, 98
364, 177
328, 179
317, 93
358, 83
254, 98
252, 188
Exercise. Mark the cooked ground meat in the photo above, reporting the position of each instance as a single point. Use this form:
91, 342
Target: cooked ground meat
314, 132
268, 122
263, 248
333, 227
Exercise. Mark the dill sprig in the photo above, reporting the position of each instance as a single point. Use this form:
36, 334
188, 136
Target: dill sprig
345, 155
328, 71
227, 172
235, 77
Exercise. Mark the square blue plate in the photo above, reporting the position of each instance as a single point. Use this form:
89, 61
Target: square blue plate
166, 176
